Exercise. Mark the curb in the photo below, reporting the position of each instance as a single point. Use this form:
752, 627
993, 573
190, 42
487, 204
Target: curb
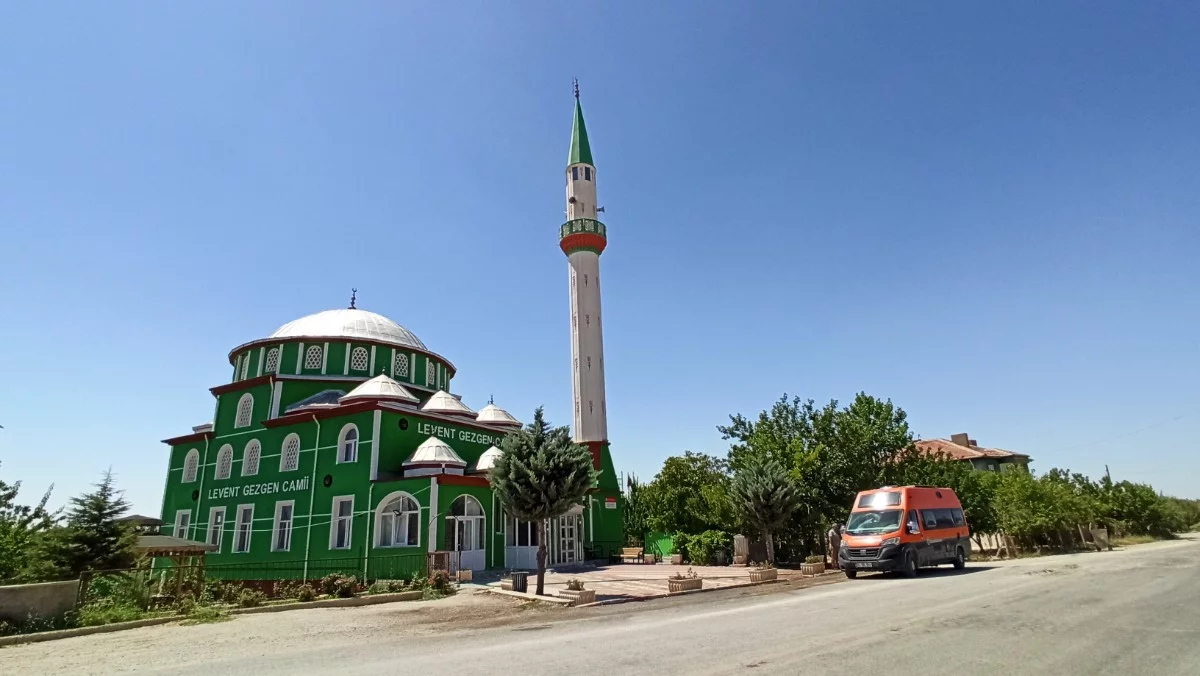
355, 602
85, 631
553, 600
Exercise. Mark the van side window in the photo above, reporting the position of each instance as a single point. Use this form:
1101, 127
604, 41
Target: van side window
945, 518
914, 524
929, 517
959, 519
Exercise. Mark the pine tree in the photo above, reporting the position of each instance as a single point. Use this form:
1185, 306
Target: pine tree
766, 497
94, 539
541, 475
21, 527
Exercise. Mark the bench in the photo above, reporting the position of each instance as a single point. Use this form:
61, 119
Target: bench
632, 555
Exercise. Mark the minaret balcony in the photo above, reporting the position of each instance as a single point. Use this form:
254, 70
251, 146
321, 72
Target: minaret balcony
583, 234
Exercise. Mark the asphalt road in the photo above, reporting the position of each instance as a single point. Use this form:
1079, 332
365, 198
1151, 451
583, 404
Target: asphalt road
1135, 611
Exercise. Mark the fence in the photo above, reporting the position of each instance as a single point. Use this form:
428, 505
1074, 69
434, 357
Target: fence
142, 585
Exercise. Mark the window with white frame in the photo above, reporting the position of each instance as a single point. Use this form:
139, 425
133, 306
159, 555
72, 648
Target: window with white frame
224, 461
360, 359
400, 366
289, 460
341, 522
313, 357
348, 444
518, 533
430, 373
191, 463
245, 366
243, 529
399, 523
250, 458
183, 521
282, 532
272, 363
216, 527
245, 411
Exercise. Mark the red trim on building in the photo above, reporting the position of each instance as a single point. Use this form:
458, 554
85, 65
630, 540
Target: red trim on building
241, 385
187, 438
462, 480
321, 413
582, 240
594, 447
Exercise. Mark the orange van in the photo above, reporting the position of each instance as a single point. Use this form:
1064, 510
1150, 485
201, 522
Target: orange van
904, 528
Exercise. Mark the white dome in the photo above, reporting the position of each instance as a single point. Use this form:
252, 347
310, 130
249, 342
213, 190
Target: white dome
380, 387
444, 402
488, 460
494, 415
350, 323
434, 451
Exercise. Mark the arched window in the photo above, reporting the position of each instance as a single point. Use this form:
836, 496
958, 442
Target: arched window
465, 525
250, 458
272, 363
430, 373
398, 522
359, 359
191, 463
313, 357
400, 366
245, 411
245, 366
289, 460
224, 461
348, 444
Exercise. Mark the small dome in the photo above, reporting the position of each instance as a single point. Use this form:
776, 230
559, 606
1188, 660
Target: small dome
380, 387
350, 323
444, 402
434, 451
494, 415
488, 460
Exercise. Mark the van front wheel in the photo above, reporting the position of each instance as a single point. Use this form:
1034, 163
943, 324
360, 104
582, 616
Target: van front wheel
909, 568
851, 573
960, 559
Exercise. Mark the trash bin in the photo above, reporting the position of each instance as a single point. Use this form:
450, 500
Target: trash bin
520, 581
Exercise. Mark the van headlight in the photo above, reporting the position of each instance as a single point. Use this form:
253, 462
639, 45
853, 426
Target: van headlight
889, 541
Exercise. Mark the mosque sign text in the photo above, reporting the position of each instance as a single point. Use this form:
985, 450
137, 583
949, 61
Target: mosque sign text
455, 434
267, 488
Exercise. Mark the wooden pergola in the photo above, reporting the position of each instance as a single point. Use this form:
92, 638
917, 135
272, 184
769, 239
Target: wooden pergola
183, 553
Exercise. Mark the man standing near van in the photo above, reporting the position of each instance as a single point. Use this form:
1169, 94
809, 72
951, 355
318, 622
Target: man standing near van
835, 542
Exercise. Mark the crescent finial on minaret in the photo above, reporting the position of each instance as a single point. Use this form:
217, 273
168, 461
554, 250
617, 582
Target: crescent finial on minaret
577, 88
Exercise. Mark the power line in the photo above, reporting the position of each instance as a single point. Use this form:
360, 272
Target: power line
1126, 434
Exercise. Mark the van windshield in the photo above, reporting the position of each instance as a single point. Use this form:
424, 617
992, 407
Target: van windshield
878, 521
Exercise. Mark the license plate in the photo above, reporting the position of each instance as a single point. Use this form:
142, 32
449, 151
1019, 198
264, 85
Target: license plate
864, 565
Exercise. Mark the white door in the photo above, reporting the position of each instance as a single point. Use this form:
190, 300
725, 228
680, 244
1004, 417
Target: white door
520, 544
467, 529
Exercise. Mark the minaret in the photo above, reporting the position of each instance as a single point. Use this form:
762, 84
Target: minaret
583, 238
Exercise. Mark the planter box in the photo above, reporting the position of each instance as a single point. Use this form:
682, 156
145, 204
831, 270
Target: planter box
812, 568
579, 597
649, 558
506, 585
677, 559
686, 584
763, 574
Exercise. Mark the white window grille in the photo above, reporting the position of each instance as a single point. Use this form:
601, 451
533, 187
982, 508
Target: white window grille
191, 464
250, 458
430, 373
272, 363
216, 527
224, 461
313, 357
244, 529
289, 461
342, 520
399, 523
284, 514
348, 444
245, 366
359, 359
400, 366
245, 411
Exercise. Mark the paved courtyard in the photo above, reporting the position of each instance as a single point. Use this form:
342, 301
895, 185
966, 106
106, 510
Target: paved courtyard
638, 581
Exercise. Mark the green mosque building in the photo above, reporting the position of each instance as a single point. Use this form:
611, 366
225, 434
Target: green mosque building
338, 446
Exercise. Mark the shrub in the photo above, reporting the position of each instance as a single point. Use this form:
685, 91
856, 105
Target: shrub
205, 614
703, 548
305, 593
815, 558
185, 605
440, 581
680, 542
689, 575
341, 586
121, 589
251, 598
575, 585
7, 628
386, 587
105, 611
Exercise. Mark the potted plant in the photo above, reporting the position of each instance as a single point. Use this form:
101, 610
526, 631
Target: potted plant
681, 582
764, 572
813, 565
677, 559
578, 595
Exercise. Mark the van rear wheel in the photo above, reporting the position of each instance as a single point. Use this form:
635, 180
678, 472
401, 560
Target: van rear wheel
960, 559
909, 567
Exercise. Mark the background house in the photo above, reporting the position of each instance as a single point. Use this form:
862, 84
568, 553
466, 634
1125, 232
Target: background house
962, 447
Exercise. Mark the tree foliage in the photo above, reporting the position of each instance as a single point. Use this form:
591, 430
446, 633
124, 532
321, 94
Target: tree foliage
766, 497
93, 539
22, 531
635, 509
689, 495
541, 474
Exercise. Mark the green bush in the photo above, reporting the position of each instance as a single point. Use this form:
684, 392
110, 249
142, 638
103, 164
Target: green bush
106, 611
815, 558
120, 589
185, 605
679, 543
386, 587
341, 586
703, 548
251, 598
203, 614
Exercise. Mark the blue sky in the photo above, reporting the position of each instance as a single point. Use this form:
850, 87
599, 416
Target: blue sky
987, 214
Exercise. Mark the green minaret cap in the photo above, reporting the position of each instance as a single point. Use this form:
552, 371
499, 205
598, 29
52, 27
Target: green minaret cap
581, 152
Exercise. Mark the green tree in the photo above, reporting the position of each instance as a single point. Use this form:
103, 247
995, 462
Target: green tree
689, 495
766, 496
22, 527
93, 538
975, 490
635, 510
541, 475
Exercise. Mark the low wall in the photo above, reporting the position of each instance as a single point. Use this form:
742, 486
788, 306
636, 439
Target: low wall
44, 599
